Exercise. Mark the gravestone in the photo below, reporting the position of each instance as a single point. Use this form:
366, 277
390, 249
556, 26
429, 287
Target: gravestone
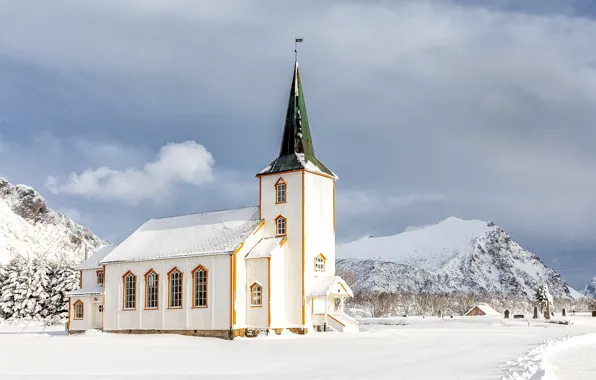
535, 316
440, 315
506, 314
564, 312
594, 313
519, 316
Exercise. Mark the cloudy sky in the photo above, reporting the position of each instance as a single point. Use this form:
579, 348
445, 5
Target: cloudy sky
118, 111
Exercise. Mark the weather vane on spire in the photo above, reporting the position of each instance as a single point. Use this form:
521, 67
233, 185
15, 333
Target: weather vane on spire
296, 47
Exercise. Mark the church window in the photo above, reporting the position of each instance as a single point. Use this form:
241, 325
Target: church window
256, 294
280, 191
99, 274
151, 290
100, 308
175, 279
199, 280
320, 263
130, 291
79, 310
281, 225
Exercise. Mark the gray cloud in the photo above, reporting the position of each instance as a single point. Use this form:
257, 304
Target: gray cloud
489, 106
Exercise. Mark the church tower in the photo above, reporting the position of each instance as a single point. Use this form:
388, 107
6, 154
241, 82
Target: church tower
297, 201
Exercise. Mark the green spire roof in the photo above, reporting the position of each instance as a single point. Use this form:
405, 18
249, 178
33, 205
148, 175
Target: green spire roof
296, 151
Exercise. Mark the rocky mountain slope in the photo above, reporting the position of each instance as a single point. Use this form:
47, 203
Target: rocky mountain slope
453, 255
29, 227
590, 289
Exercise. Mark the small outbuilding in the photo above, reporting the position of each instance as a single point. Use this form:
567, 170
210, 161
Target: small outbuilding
481, 309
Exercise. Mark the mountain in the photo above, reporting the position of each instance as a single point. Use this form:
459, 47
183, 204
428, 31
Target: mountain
30, 228
590, 289
453, 255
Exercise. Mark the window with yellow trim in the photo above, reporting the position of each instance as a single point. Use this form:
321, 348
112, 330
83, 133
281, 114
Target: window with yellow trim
175, 279
281, 225
151, 290
256, 294
320, 264
130, 291
79, 310
199, 279
280, 191
99, 274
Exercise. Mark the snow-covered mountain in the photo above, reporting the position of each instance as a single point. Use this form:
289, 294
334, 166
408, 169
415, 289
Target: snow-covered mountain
453, 255
28, 227
590, 289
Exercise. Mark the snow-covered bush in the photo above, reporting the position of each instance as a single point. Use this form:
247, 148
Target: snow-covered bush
35, 288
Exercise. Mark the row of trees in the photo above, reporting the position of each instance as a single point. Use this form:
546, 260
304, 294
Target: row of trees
35, 288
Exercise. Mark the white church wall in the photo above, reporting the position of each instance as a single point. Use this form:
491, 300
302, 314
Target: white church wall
89, 277
279, 303
216, 316
292, 210
241, 288
257, 272
319, 225
91, 316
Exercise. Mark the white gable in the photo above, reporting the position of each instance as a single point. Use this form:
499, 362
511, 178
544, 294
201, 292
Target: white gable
93, 261
485, 308
264, 248
326, 285
188, 235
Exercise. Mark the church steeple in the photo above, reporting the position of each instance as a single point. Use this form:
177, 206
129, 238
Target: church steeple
296, 150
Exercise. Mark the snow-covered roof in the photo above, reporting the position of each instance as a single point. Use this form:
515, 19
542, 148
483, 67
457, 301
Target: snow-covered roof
485, 308
264, 248
326, 285
88, 291
207, 233
93, 261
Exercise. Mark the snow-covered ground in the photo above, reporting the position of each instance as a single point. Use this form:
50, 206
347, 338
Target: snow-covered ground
430, 348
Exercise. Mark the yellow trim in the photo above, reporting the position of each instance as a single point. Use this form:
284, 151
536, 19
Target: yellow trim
280, 216
259, 227
233, 283
283, 241
335, 319
74, 305
268, 292
194, 288
231, 291
97, 272
303, 305
68, 322
343, 287
285, 191
103, 297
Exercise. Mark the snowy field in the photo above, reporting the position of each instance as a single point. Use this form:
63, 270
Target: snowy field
461, 348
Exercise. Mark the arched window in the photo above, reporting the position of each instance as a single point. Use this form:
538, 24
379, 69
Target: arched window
79, 310
256, 294
280, 191
151, 290
200, 276
281, 225
320, 263
175, 285
99, 275
130, 291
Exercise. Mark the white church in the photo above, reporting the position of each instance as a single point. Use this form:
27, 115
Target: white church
228, 273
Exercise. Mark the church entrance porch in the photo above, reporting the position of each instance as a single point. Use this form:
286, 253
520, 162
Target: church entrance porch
326, 299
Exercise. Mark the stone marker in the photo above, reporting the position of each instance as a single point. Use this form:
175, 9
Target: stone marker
564, 312
506, 314
440, 314
535, 316
594, 313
